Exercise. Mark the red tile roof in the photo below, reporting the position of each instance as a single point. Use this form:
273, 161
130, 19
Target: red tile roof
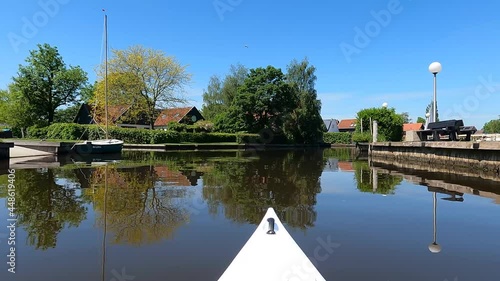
172, 115
347, 124
412, 127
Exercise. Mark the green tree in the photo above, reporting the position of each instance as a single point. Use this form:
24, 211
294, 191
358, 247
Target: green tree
162, 77
47, 83
306, 124
264, 101
220, 93
492, 127
66, 115
406, 117
421, 120
123, 89
390, 124
213, 103
16, 111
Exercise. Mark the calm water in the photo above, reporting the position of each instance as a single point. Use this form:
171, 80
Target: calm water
184, 216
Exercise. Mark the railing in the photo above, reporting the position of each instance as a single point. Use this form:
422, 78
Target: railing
485, 137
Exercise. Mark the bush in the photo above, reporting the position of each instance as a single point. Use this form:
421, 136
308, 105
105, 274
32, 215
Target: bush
203, 126
340, 137
35, 132
247, 138
73, 131
361, 137
178, 127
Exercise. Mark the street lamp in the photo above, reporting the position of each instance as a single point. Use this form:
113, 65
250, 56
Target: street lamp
384, 105
434, 68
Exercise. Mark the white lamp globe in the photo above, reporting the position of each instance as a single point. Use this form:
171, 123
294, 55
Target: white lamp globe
434, 248
435, 67
384, 105
427, 114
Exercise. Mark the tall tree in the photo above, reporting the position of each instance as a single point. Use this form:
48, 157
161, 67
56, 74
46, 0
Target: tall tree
213, 103
220, 93
163, 78
264, 101
306, 124
124, 90
47, 83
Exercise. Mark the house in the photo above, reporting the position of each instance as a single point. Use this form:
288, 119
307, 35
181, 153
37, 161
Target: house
119, 115
347, 125
331, 125
182, 115
412, 127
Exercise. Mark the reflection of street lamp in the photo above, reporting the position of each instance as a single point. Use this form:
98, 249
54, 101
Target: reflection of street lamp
434, 68
434, 247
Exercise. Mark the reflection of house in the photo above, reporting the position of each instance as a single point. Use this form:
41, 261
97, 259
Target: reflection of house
347, 125
172, 178
345, 166
183, 115
331, 125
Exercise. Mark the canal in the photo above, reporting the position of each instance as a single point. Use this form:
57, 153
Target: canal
185, 215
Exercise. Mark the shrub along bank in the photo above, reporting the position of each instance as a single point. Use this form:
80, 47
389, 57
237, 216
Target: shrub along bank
72, 131
177, 134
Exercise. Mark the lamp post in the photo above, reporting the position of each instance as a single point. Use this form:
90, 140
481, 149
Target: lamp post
434, 68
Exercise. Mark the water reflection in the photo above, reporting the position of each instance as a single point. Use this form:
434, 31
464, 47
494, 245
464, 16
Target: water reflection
369, 179
286, 181
142, 208
44, 207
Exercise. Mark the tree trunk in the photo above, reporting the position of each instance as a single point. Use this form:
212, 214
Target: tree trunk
151, 123
51, 116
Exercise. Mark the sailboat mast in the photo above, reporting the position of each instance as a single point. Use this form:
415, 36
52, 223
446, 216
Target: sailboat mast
106, 70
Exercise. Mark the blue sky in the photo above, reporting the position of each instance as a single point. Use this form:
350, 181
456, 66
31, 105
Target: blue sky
401, 39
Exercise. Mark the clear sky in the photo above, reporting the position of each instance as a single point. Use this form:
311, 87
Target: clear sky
366, 51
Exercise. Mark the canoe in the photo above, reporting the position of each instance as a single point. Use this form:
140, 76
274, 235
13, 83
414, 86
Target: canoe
99, 146
271, 254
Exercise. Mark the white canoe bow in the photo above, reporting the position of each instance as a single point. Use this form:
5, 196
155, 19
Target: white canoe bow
271, 254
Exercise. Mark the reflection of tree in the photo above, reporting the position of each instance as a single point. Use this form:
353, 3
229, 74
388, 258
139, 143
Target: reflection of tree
140, 208
286, 181
44, 208
369, 180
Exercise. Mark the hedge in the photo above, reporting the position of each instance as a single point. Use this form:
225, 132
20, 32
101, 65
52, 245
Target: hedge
339, 137
362, 137
72, 131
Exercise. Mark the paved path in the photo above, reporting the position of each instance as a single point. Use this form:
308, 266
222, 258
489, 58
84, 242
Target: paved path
18, 151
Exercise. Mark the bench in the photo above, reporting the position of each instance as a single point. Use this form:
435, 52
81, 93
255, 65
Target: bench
452, 128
